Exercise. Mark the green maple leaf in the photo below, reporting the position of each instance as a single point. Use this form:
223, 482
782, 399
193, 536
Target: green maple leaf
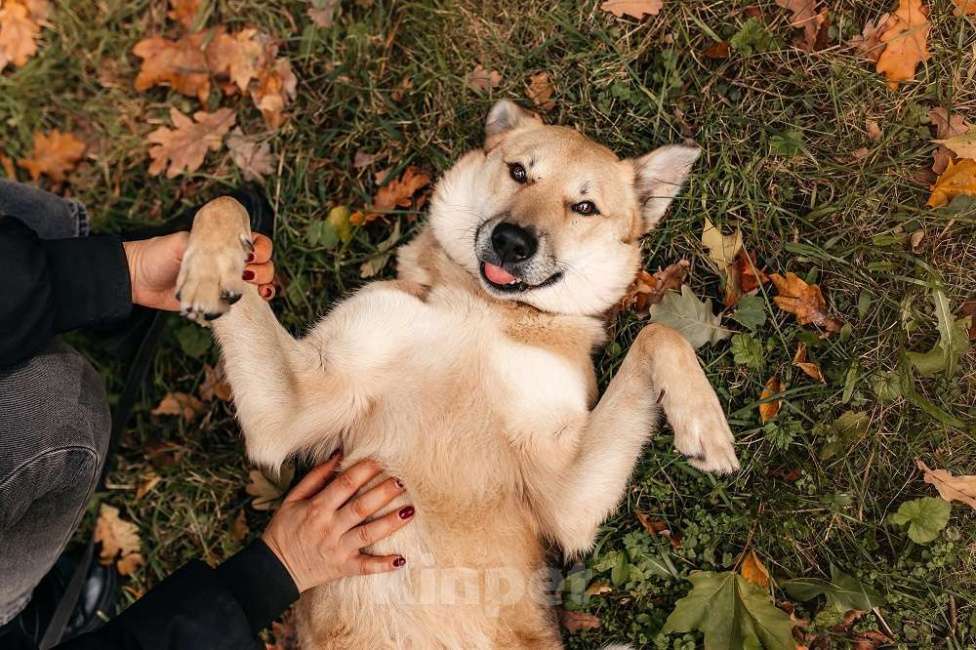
843, 592
925, 518
690, 316
732, 613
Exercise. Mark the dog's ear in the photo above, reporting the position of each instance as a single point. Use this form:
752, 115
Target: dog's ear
506, 116
658, 176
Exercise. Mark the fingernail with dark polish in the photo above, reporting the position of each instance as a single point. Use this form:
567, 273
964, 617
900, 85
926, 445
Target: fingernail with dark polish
406, 512
248, 275
399, 562
250, 258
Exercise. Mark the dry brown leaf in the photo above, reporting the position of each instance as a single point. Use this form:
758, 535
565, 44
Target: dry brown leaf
239, 529
215, 383
323, 15
769, 409
717, 50
873, 130
268, 491
659, 527
860, 153
804, 15
146, 484
750, 276
251, 157
809, 368
363, 159
968, 308
633, 8
951, 488
946, 126
55, 154
964, 8
906, 42
598, 588
805, 301
398, 193
19, 29
7, 164
868, 43
184, 11
398, 93
647, 289
183, 148
870, 640
540, 91
916, 240
276, 86
240, 56
182, 65
754, 571
117, 537
959, 179
181, 404
576, 621
481, 80
128, 564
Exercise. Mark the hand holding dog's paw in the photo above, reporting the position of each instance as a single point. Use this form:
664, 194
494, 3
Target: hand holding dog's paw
701, 432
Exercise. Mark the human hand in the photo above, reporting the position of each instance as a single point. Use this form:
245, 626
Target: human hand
318, 533
155, 263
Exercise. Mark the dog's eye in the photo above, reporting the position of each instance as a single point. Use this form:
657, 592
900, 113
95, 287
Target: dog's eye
585, 208
517, 172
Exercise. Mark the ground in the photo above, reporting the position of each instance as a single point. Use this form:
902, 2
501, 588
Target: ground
780, 129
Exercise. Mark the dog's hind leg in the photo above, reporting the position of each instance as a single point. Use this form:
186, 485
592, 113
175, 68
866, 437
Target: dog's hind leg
660, 370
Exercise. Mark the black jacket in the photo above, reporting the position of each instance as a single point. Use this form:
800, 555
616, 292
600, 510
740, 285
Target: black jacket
53, 286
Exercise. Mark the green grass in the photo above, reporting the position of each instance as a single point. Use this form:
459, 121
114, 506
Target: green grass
831, 219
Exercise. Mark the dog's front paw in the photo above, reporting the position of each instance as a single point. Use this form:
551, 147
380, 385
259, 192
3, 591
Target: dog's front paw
210, 278
701, 432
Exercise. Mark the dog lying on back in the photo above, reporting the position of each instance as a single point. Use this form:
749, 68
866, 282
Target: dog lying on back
470, 378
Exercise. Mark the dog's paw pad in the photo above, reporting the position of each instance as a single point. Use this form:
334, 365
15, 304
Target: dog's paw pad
702, 435
210, 282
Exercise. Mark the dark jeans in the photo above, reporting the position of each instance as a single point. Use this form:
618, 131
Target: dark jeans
54, 429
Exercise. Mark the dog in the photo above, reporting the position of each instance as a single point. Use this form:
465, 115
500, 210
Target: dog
470, 378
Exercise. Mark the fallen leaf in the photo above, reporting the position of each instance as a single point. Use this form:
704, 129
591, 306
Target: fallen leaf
633, 8
754, 571
576, 621
182, 65
951, 488
540, 91
843, 592
215, 383
717, 50
804, 15
363, 159
925, 518
402, 89
803, 300
481, 80
873, 130
860, 153
322, 12
916, 240
398, 193
119, 538
870, 640
7, 164
963, 145
959, 179
868, 43
146, 484
18, 33
847, 430
651, 525
239, 529
384, 251
55, 154
128, 564
690, 316
182, 404
964, 8
240, 56
184, 11
722, 249
268, 491
812, 370
725, 606
946, 127
750, 277
906, 40
598, 588
968, 308
183, 148
647, 289
276, 86
768, 407
251, 157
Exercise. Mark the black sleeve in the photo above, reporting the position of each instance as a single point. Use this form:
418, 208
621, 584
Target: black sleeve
57, 285
202, 608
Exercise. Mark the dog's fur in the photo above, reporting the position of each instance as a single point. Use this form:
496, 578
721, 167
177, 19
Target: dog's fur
480, 399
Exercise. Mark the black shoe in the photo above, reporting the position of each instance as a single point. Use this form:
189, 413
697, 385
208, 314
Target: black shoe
95, 604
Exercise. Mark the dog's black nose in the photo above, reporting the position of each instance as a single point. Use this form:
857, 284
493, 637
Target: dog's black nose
513, 243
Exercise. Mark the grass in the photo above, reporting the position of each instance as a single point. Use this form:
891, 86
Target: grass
778, 127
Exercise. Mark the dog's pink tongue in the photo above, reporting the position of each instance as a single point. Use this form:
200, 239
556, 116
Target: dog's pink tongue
498, 275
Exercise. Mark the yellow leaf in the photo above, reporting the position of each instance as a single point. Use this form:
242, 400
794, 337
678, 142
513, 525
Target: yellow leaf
811, 369
633, 8
768, 408
951, 488
722, 249
906, 42
958, 179
55, 154
754, 571
963, 145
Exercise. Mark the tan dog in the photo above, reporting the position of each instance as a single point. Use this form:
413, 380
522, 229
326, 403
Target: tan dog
470, 378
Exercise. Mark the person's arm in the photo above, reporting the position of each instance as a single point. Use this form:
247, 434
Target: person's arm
54, 286
314, 538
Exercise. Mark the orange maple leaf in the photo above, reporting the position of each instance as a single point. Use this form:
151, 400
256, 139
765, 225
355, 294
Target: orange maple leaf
398, 193
18, 34
906, 42
55, 154
181, 64
959, 178
184, 11
240, 56
633, 8
768, 408
276, 86
185, 147
803, 300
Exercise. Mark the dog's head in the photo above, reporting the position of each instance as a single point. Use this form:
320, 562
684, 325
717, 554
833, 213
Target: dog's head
547, 217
